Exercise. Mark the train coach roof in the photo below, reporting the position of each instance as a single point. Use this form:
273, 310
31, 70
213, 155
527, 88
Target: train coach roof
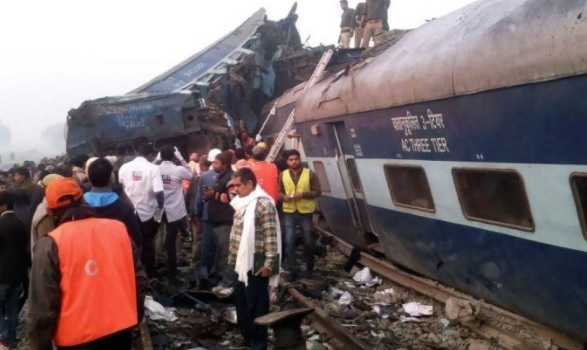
290, 96
486, 45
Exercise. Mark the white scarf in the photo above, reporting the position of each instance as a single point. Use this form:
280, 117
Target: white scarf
246, 249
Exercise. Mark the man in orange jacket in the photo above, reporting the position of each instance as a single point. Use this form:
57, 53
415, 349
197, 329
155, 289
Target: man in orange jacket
87, 282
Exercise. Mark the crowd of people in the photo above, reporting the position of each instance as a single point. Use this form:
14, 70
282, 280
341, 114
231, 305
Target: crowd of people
81, 240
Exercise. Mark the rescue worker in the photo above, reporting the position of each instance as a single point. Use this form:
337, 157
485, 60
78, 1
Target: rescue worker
14, 262
347, 25
86, 282
373, 16
174, 206
359, 26
144, 187
255, 243
106, 203
298, 189
221, 214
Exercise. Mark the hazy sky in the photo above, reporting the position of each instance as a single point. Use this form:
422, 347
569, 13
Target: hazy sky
56, 54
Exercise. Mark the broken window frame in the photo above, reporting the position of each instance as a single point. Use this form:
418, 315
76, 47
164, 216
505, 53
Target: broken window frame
579, 205
525, 201
387, 169
322, 176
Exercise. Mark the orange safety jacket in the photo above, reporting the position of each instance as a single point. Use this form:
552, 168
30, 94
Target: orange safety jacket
98, 292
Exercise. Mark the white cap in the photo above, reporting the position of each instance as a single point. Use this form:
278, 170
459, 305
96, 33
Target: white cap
213, 153
89, 162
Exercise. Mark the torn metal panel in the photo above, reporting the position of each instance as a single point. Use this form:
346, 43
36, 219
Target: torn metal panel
212, 60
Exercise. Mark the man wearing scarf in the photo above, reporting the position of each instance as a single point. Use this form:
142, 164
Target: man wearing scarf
255, 241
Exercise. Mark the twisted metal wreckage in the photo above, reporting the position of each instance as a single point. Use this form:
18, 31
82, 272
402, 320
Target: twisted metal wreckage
205, 100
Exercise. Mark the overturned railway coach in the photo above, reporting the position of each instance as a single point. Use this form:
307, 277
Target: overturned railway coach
462, 149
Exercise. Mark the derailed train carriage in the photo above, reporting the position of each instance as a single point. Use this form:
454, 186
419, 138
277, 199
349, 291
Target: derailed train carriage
201, 102
461, 149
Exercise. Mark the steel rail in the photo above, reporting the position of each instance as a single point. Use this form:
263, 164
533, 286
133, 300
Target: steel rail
441, 293
341, 338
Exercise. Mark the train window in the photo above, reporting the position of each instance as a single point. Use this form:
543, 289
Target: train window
579, 187
409, 187
322, 177
496, 197
354, 173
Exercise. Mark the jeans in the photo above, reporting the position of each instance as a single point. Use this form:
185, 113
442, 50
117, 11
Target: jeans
222, 241
117, 341
149, 231
208, 249
305, 221
251, 302
170, 245
9, 308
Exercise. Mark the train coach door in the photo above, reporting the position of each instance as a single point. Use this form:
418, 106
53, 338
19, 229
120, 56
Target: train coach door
350, 175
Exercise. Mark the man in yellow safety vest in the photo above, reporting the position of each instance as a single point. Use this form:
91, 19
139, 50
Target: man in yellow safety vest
298, 189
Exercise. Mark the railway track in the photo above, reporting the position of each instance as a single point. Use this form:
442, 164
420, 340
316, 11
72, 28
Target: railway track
503, 328
331, 330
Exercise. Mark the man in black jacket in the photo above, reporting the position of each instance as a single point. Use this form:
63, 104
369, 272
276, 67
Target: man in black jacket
220, 214
106, 203
13, 267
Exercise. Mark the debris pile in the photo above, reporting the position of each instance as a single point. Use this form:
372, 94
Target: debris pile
383, 315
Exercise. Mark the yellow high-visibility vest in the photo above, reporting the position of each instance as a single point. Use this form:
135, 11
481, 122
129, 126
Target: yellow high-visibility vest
302, 206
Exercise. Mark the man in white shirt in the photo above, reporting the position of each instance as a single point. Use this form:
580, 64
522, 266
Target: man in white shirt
174, 206
144, 187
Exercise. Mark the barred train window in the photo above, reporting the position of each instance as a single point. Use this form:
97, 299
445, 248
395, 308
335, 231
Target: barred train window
322, 178
409, 187
579, 188
354, 173
496, 197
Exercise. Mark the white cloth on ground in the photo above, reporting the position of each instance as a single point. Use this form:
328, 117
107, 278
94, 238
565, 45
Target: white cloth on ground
246, 249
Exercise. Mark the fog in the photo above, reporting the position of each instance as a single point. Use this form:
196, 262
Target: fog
56, 54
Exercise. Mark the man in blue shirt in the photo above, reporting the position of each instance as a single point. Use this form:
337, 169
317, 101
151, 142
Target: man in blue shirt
207, 180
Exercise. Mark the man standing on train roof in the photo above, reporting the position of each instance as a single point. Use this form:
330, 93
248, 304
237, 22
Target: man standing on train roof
347, 24
87, 284
298, 189
373, 17
359, 26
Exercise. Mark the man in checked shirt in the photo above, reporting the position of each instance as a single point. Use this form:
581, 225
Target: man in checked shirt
255, 241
